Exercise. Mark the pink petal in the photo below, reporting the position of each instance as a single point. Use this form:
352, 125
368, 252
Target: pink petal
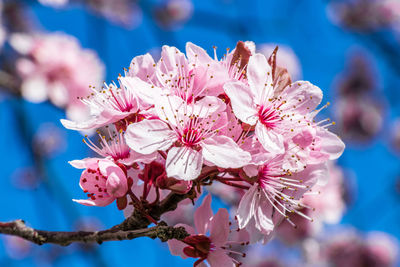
203, 215
142, 67
116, 184
148, 136
219, 227
107, 167
331, 144
304, 137
269, 139
172, 59
242, 100
260, 78
184, 163
246, 207
224, 152
218, 258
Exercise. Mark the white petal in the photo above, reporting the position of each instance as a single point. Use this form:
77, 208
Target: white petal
224, 152
184, 163
246, 207
331, 144
302, 96
145, 92
167, 108
208, 105
148, 136
197, 55
242, 102
270, 140
263, 217
260, 78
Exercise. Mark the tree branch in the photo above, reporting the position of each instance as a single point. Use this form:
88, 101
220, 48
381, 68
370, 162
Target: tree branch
133, 227
18, 228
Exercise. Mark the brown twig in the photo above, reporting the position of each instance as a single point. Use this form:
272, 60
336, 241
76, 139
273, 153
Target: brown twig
19, 228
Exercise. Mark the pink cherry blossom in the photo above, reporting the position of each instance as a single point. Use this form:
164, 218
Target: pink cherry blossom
275, 194
273, 116
61, 77
115, 147
103, 180
191, 139
112, 104
213, 248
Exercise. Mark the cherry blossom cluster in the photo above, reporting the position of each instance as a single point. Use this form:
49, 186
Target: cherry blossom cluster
191, 121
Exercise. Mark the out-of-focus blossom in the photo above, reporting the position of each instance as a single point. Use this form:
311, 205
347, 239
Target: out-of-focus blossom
2, 29
358, 119
395, 135
123, 12
26, 178
349, 248
55, 67
49, 140
358, 77
16, 247
54, 3
172, 14
365, 15
183, 214
286, 58
359, 109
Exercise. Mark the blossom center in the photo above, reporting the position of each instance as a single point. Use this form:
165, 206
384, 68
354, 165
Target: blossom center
268, 116
191, 136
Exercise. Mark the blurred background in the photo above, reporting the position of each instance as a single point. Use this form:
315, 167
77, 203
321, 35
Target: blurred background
350, 49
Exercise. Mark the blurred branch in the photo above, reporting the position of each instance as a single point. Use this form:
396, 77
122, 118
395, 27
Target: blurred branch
9, 83
18, 228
